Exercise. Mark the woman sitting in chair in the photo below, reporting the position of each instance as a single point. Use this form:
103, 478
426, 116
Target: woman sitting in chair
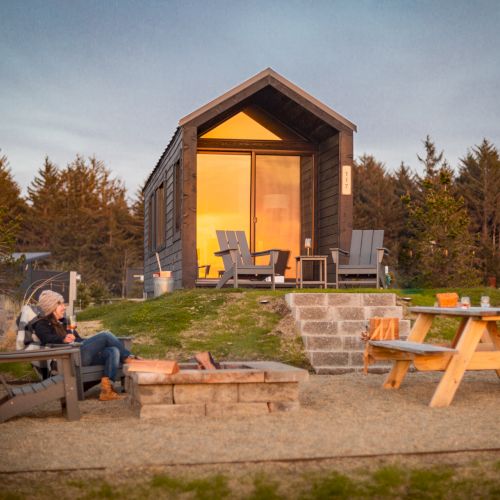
101, 349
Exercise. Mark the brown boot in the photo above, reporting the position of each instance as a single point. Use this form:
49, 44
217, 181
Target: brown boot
107, 391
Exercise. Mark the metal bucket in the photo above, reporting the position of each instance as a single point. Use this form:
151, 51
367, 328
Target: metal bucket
162, 285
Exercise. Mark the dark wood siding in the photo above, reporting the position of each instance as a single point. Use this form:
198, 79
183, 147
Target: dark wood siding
306, 199
171, 253
327, 207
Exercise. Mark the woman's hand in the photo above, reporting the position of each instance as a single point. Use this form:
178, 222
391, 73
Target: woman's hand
69, 338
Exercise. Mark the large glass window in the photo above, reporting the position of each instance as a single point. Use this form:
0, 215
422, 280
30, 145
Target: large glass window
277, 206
223, 202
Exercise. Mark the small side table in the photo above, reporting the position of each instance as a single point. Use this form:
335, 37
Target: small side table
299, 270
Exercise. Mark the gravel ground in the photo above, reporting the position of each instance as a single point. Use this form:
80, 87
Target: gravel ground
341, 415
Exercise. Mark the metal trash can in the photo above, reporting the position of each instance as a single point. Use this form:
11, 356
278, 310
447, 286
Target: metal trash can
162, 285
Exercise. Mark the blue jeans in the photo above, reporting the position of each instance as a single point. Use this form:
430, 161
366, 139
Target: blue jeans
104, 349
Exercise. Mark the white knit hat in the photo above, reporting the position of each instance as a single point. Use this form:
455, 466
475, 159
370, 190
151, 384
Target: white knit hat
49, 300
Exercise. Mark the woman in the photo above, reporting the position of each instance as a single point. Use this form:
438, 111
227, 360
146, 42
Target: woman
101, 349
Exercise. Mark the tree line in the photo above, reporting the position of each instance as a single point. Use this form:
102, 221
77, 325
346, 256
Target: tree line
442, 227
81, 215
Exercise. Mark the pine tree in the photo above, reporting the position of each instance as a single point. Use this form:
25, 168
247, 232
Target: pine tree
443, 248
479, 182
46, 202
376, 205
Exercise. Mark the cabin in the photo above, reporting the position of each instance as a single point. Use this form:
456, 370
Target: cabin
265, 157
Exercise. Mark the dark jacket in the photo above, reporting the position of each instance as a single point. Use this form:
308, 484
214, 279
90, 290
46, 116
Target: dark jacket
47, 333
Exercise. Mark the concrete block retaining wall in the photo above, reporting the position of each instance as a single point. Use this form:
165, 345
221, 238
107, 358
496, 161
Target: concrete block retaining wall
331, 325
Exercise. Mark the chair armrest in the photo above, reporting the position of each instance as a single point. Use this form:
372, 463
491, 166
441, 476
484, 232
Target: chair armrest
264, 252
381, 253
227, 251
339, 250
39, 354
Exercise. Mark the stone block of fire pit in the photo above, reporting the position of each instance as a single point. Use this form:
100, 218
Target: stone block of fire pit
237, 388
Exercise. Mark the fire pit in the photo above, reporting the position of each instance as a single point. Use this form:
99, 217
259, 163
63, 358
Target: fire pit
237, 388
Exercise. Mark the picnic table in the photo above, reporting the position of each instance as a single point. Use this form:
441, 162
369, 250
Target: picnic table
475, 346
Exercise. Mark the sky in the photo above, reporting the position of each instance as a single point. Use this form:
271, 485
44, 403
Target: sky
112, 78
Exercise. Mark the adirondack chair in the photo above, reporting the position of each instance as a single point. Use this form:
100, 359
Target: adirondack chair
238, 260
62, 386
86, 376
365, 259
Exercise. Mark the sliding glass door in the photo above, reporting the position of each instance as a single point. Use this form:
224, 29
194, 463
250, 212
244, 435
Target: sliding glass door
259, 194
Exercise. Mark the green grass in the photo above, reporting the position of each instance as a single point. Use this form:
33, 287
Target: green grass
232, 324
470, 480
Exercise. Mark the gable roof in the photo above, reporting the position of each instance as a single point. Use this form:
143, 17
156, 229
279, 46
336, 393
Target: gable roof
265, 78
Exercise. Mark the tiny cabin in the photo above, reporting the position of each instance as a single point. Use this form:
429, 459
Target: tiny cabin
266, 158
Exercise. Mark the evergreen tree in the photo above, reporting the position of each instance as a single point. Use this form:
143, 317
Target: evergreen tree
479, 182
46, 202
406, 187
375, 203
443, 248
10, 195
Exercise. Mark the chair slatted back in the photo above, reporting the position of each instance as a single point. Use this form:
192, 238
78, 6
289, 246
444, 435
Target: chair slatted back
224, 245
364, 244
246, 256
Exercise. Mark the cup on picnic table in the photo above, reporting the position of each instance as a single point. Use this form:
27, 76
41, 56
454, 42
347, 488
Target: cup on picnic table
465, 302
485, 301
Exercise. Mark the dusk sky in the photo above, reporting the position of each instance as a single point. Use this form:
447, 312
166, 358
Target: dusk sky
113, 78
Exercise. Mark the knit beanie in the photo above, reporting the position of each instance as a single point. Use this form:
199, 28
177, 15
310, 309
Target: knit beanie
49, 300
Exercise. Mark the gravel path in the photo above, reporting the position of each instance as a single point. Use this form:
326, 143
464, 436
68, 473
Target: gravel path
340, 415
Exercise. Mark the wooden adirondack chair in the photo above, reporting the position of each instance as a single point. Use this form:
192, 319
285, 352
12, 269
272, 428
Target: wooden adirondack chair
238, 260
62, 386
364, 266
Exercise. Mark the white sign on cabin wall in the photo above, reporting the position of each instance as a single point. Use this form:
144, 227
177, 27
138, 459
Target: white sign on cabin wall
346, 180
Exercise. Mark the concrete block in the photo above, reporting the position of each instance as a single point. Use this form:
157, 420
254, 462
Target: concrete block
320, 358
378, 299
353, 343
322, 342
309, 299
268, 392
347, 313
153, 394
352, 327
236, 409
312, 312
319, 327
172, 411
383, 312
279, 372
283, 406
356, 359
205, 393
404, 328
344, 299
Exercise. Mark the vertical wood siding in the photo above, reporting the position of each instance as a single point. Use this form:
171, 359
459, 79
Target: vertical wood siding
171, 253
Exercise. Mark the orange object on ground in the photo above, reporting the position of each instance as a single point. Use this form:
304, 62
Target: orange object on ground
447, 299
153, 366
380, 329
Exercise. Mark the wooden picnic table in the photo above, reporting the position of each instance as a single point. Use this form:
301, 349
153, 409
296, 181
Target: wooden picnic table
475, 346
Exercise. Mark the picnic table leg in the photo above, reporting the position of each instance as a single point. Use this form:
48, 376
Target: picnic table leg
455, 370
400, 368
494, 336
460, 330
70, 390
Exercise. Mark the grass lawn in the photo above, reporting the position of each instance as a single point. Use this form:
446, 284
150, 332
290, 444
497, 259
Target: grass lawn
232, 324
306, 482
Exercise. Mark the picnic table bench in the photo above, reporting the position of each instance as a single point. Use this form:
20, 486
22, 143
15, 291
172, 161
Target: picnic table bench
475, 346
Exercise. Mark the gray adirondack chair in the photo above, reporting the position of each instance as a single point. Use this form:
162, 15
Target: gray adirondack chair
238, 260
364, 266
63, 387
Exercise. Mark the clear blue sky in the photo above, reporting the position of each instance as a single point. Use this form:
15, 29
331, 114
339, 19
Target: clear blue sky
112, 78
